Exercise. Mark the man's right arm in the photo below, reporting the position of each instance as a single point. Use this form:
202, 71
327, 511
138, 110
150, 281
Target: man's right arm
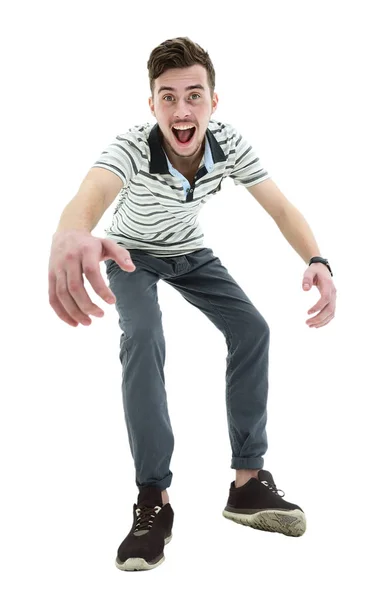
96, 193
75, 251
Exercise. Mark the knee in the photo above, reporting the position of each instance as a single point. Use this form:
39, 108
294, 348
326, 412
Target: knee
142, 339
256, 328
264, 327
142, 331
260, 329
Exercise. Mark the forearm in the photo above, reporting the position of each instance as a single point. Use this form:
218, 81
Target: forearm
297, 232
85, 209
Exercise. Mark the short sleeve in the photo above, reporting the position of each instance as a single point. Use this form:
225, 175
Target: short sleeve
247, 170
123, 156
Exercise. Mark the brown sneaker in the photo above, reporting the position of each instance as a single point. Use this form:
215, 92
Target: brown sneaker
143, 548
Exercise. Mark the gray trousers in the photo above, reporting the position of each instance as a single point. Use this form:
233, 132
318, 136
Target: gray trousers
205, 283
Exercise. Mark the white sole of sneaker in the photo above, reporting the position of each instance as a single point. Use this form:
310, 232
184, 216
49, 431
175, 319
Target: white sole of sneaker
290, 522
140, 564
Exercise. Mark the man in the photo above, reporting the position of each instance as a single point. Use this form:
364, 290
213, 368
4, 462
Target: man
163, 174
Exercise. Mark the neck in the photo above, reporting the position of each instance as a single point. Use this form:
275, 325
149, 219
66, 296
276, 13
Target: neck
184, 164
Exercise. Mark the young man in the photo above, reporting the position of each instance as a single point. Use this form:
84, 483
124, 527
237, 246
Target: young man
165, 173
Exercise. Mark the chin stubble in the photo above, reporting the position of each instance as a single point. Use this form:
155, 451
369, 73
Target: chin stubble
187, 155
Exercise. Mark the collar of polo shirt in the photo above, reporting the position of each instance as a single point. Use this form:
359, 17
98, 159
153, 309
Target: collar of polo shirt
158, 162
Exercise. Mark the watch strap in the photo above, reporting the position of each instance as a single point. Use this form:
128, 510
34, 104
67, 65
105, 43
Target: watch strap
324, 261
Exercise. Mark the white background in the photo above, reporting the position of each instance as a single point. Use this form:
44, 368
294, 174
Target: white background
299, 81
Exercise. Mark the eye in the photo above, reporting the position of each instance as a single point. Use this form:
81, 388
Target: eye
195, 94
167, 96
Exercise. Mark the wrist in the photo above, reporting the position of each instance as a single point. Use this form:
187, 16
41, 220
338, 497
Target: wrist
322, 260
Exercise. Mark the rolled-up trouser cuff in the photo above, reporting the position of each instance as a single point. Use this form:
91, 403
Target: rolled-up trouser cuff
162, 484
247, 463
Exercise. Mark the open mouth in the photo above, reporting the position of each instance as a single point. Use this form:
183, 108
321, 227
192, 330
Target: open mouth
183, 136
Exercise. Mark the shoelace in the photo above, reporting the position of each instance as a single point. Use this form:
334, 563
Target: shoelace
273, 488
145, 516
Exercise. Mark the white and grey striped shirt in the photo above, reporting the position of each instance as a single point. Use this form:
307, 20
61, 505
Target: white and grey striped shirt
157, 210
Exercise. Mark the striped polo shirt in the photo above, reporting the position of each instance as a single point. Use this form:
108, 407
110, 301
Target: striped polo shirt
157, 209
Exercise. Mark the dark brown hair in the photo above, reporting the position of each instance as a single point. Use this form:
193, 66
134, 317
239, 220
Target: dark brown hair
178, 53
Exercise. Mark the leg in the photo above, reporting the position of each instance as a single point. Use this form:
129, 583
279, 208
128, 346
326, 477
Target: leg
206, 284
142, 355
244, 475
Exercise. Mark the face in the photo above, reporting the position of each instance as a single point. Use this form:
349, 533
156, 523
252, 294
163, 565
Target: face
182, 98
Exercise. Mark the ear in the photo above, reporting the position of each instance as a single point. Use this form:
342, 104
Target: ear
215, 101
151, 106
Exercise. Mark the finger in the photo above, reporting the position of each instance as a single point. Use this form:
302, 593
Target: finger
321, 305
325, 322
120, 255
75, 285
320, 318
91, 269
56, 304
323, 314
67, 301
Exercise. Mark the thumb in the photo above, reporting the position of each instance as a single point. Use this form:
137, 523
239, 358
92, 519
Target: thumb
306, 284
120, 255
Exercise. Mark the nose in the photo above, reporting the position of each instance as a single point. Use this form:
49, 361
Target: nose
182, 109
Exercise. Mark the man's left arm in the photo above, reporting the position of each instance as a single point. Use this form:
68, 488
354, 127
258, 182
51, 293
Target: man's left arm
297, 232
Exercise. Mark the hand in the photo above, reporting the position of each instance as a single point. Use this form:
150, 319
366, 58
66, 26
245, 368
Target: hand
73, 253
319, 275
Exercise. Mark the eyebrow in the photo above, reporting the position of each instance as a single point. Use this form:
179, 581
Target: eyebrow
189, 87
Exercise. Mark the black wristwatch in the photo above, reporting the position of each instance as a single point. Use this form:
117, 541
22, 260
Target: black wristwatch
321, 260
